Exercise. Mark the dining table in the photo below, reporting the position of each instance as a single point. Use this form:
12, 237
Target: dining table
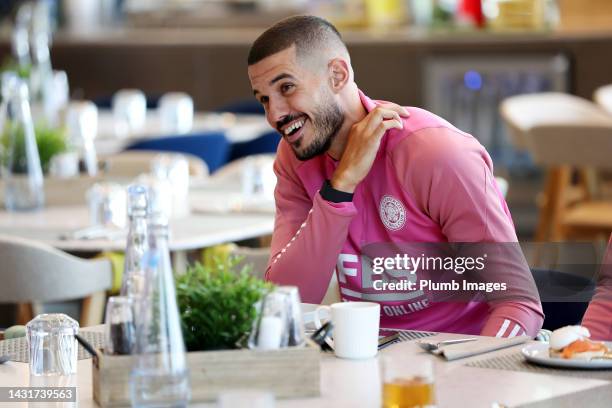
357, 383
54, 226
219, 213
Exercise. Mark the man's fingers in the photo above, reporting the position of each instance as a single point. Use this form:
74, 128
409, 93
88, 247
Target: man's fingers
386, 125
381, 114
395, 107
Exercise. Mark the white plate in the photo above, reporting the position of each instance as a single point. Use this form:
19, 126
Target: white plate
538, 354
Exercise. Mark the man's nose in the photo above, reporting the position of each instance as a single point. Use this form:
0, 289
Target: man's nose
277, 110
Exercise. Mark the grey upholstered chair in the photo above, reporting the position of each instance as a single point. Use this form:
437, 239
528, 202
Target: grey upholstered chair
32, 273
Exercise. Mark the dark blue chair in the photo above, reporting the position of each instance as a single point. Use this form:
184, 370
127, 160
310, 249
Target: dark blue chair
106, 102
266, 143
212, 147
245, 106
565, 297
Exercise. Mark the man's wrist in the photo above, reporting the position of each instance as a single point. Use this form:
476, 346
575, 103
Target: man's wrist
337, 183
329, 193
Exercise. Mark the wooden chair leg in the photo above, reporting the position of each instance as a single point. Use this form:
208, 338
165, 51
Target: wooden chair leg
25, 313
92, 309
589, 181
553, 203
563, 180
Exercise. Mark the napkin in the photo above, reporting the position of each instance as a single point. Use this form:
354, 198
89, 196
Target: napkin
474, 348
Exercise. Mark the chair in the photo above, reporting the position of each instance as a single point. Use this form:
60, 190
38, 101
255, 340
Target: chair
267, 143
245, 106
130, 164
35, 273
569, 136
212, 147
565, 297
106, 101
257, 257
603, 97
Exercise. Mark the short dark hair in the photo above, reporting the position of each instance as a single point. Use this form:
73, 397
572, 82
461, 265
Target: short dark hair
306, 32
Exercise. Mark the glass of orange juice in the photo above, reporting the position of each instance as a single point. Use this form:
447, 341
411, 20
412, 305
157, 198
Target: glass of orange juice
408, 381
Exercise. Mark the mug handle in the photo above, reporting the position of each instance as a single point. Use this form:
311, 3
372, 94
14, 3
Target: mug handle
317, 321
318, 324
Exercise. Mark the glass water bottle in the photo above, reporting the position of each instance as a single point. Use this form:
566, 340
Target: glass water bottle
160, 377
137, 242
22, 172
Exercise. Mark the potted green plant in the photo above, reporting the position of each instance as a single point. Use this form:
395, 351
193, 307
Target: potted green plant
50, 141
217, 303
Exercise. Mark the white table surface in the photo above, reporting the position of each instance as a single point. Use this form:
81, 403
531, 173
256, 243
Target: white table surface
198, 230
356, 384
237, 128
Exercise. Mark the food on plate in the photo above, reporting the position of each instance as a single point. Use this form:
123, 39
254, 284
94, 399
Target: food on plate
572, 342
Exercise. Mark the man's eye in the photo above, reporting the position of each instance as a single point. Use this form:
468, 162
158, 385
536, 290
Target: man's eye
286, 87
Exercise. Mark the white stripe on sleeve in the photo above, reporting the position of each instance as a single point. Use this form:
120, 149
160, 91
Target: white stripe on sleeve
503, 328
514, 331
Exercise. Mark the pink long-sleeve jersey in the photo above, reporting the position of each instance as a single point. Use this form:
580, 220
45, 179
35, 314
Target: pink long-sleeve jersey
430, 182
598, 316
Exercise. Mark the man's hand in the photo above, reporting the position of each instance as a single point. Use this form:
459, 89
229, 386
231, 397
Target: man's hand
363, 142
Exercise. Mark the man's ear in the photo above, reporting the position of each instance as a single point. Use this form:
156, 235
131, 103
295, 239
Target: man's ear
339, 73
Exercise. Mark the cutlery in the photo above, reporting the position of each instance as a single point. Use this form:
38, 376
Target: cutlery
86, 345
321, 335
435, 346
387, 341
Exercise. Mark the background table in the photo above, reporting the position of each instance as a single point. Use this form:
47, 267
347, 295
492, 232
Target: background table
350, 384
198, 230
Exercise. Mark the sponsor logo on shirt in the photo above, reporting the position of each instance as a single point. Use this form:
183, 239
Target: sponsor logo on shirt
392, 213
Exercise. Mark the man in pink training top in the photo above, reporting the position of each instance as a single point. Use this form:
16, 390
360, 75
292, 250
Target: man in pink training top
598, 316
353, 171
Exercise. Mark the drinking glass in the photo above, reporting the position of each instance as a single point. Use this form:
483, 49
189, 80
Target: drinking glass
160, 194
408, 381
129, 111
175, 169
295, 324
120, 325
251, 178
270, 329
107, 205
52, 345
82, 128
176, 112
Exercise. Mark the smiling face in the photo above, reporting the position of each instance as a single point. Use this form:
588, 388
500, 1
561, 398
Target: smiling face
298, 102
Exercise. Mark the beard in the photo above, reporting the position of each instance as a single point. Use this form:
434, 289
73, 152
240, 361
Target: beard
326, 122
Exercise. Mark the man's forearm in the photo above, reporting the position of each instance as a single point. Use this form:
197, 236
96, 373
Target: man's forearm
308, 258
513, 319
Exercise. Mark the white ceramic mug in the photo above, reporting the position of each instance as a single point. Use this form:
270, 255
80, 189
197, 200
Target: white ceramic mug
356, 327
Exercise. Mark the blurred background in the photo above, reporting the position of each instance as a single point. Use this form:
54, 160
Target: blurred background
104, 86
457, 58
